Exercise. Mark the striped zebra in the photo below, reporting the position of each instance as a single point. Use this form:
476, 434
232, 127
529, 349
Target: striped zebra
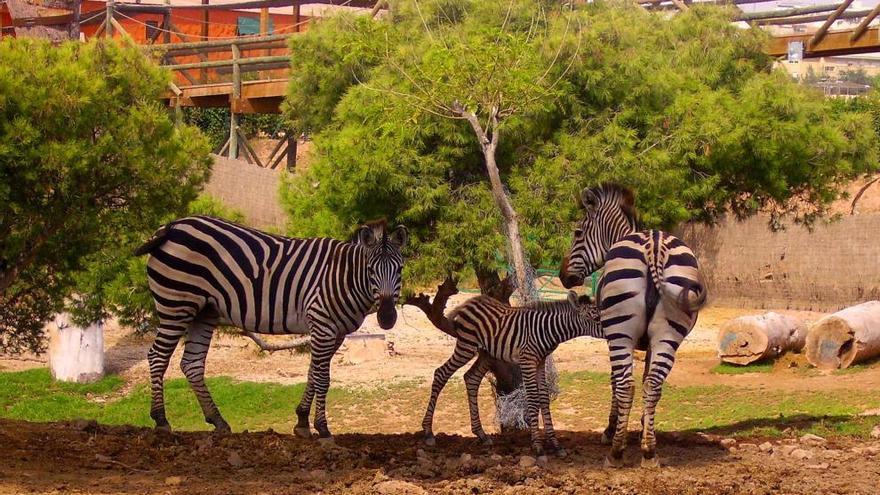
204, 272
524, 335
649, 295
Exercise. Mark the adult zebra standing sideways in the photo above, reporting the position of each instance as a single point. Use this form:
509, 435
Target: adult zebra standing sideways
649, 295
525, 335
205, 272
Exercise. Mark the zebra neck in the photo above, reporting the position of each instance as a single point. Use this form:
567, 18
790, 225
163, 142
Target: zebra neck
348, 276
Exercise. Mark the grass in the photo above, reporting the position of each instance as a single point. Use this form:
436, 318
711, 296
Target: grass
583, 403
733, 369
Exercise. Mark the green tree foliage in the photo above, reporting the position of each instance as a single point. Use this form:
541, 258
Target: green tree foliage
214, 123
88, 156
686, 110
114, 283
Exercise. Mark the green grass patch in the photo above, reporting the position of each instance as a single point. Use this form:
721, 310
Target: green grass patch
734, 369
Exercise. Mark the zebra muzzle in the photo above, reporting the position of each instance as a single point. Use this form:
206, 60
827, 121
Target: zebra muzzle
387, 314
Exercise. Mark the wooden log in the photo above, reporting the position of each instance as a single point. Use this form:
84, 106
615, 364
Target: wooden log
847, 337
76, 354
748, 339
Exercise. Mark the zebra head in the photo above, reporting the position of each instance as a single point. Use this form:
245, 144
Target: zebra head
609, 216
384, 265
584, 305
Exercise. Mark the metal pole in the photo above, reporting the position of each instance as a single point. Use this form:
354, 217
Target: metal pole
236, 95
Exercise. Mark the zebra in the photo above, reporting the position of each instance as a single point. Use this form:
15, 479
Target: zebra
204, 272
648, 295
524, 335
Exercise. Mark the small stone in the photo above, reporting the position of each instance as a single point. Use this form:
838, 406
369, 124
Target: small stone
875, 433
317, 474
766, 447
103, 458
398, 487
174, 480
748, 447
872, 450
527, 461
466, 458
801, 454
727, 442
820, 466
811, 439
786, 449
421, 454
543, 460
496, 457
235, 460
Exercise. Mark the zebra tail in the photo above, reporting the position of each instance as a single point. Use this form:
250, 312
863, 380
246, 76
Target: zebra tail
153, 242
691, 304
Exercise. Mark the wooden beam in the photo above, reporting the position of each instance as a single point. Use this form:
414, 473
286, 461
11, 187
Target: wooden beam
233, 62
681, 5
205, 19
786, 21
834, 43
296, 17
244, 40
772, 14
817, 37
863, 26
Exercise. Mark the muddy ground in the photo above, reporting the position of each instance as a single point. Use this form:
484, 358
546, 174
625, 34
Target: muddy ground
86, 458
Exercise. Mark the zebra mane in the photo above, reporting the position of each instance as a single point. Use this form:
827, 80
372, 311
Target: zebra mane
379, 222
612, 193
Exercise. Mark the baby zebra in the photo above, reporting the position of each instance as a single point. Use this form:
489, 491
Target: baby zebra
523, 335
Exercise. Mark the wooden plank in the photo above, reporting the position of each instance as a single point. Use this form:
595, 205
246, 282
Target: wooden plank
205, 19
834, 43
257, 105
863, 26
227, 63
772, 14
226, 43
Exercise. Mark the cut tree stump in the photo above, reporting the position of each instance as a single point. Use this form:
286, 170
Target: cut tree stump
841, 339
76, 354
748, 339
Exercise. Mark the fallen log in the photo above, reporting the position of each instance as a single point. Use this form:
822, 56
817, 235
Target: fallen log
748, 339
76, 354
841, 339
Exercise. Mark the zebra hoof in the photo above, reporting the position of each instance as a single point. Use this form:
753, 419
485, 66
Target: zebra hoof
487, 442
611, 462
651, 462
430, 441
302, 432
165, 428
220, 425
561, 453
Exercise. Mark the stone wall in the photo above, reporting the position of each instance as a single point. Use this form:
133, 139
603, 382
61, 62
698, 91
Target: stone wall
834, 266
249, 189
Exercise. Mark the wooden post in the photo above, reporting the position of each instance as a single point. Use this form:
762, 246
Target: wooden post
264, 27
76, 354
291, 151
166, 23
205, 13
74, 29
236, 95
296, 20
108, 25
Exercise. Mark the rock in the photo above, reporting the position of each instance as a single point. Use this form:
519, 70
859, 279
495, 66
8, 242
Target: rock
174, 480
234, 459
873, 450
205, 443
421, 453
811, 439
786, 449
820, 466
543, 460
801, 454
527, 461
727, 442
466, 458
875, 433
766, 447
496, 457
397, 487
103, 458
748, 447
317, 474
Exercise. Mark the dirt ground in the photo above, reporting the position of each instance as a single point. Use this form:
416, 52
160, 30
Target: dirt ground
82, 457
86, 458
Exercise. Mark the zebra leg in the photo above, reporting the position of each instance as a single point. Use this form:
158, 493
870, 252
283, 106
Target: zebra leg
544, 397
167, 337
608, 434
460, 357
195, 352
302, 428
324, 346
529, 368
472, 379
624, 388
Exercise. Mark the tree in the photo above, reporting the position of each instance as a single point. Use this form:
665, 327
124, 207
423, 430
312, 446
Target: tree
687, 110
87, 156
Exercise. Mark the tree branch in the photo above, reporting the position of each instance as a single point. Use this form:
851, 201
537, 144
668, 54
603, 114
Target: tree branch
266, 346
864, 188
435, 310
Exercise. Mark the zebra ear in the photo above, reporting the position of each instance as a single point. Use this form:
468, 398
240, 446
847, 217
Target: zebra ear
366, 236
573, 299
589, 200
628, 202
399, 236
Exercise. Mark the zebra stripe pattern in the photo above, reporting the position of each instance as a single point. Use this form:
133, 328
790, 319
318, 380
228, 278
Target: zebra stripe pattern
204, 272
649, 295
523, 335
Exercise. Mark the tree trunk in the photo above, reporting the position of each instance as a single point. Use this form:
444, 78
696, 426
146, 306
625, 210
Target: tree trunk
76, 354
847, 337
748, 339
493, 286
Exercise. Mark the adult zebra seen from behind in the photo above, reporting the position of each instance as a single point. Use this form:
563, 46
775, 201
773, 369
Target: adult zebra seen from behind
649, 294
204, 272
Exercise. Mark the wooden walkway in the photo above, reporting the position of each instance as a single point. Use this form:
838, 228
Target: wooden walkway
262, 96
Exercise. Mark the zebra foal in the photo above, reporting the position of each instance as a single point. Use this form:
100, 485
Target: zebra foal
524, 335
204, 272
649, 294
